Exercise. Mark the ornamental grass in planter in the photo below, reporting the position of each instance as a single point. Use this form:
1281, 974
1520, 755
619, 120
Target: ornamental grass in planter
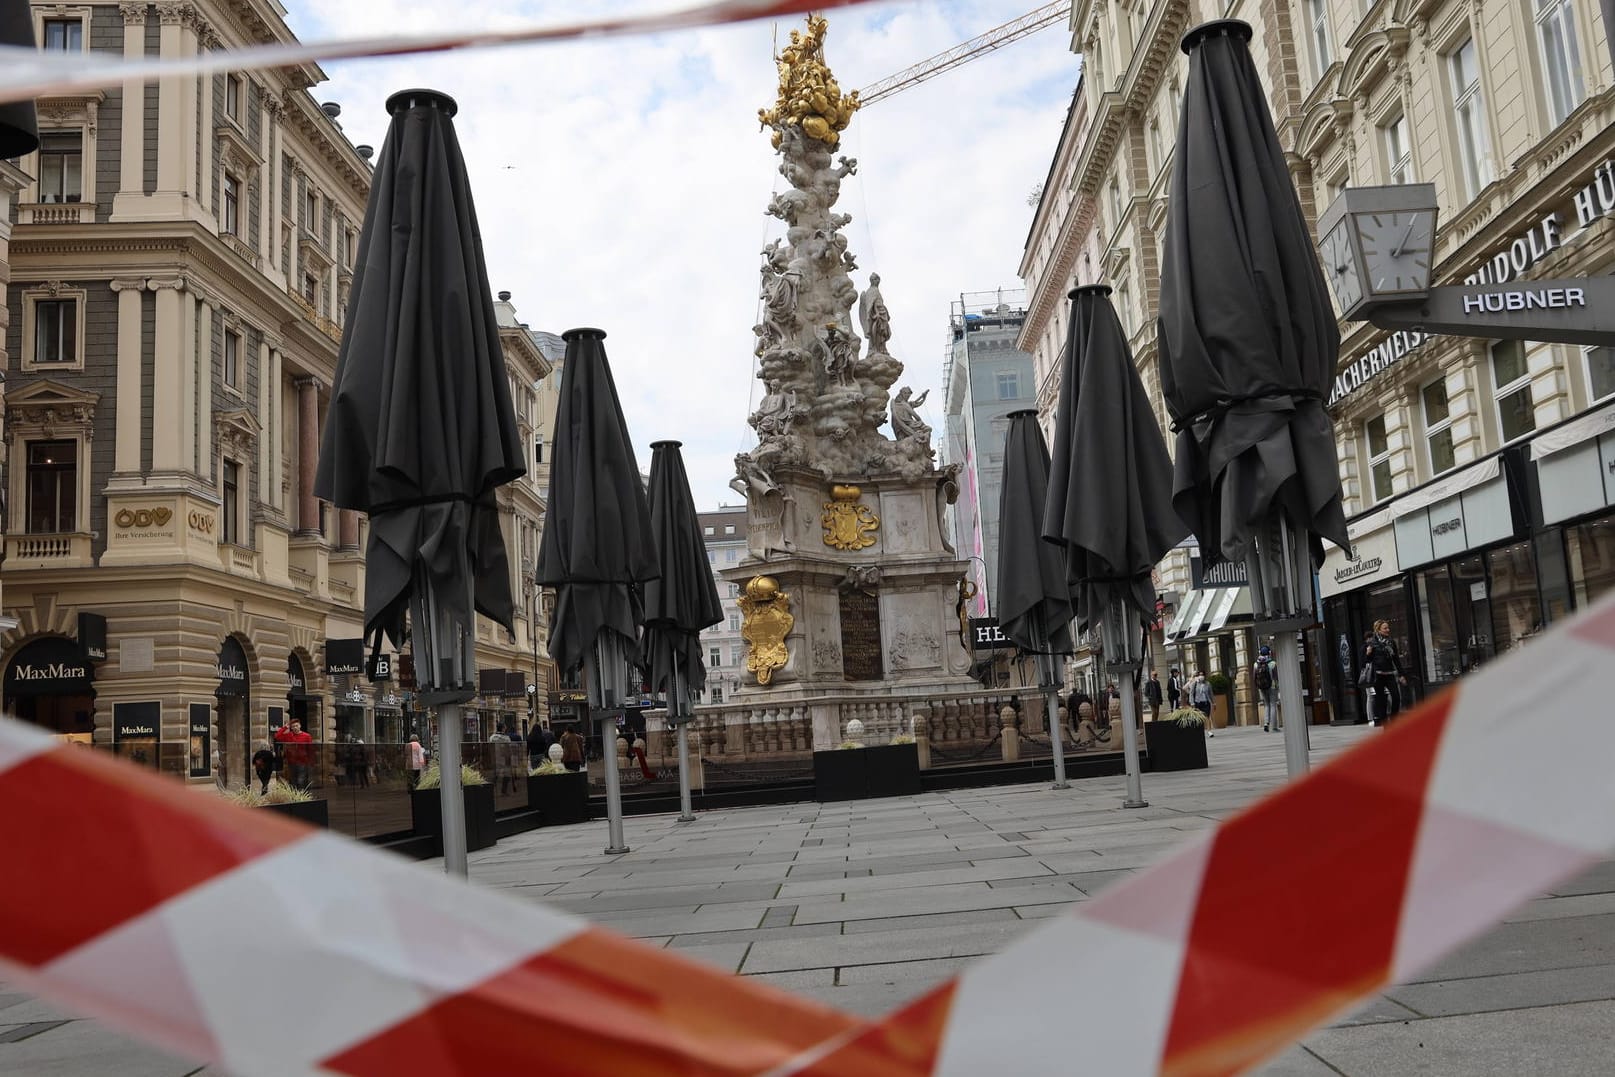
426, 806
1178, 741
560, 795
285, 799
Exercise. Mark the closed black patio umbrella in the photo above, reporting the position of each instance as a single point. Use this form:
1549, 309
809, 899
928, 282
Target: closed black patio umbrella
19, 123
420, 430
1248, 343
1110, 496
597, 549
680, 603
1033, 599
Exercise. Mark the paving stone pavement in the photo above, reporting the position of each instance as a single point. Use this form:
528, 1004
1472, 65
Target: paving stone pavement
867, 904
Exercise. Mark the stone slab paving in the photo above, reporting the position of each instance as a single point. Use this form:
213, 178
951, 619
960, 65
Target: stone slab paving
865, 905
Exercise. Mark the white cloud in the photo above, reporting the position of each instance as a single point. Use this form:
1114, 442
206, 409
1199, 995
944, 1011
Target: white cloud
621, 184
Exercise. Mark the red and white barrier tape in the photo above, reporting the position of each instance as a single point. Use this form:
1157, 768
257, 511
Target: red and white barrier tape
26, 73
189, 922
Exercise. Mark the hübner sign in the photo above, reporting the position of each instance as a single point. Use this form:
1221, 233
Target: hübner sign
1524, 299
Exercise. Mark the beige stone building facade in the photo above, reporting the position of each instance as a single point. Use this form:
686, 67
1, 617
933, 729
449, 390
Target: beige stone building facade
1470, 467
180, 261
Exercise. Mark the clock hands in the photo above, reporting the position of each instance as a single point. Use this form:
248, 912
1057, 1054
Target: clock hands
1396, 251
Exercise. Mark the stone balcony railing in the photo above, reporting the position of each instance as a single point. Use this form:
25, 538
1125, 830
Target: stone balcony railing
56, 213
63, 550
312, 313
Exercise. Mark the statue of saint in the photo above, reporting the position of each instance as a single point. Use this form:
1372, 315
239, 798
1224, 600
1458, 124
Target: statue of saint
874, 317
906, 422
776, 413
840, 353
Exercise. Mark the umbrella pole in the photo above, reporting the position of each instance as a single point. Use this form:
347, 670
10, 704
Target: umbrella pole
607, 672
1119, 632
678, 699
1287, 650
1135, 780
451, 796
1048, 673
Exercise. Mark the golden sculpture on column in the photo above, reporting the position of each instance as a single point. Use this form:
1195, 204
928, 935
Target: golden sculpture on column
847, 524
768, 620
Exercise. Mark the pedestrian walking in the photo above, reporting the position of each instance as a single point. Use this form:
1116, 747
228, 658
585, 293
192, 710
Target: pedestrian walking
1174, 689
415, 757
359, 763
1200, 698
537, 744
1152, 693
298, 752
1264, 674
263, 765
1381, 655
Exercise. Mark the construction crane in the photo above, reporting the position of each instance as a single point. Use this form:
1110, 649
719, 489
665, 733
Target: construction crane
964, 52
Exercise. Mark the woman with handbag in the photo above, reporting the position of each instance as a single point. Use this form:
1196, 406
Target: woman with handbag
1381, 657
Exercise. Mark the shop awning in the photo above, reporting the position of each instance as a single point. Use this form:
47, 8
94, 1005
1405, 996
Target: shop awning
1432, 492
1208, 611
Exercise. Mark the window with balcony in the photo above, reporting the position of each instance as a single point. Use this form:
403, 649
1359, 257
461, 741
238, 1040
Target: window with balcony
1009, 385
1398, 150
52, 507
230, 510
61, 166
1437, 426
232, 359
64, 35
230, 205
1600, 371
1561, 57
1322, 50
1469, 113
56, 336
1511, 385
1379, 459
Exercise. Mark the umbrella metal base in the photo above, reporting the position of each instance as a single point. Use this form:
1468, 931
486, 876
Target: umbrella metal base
1135, 803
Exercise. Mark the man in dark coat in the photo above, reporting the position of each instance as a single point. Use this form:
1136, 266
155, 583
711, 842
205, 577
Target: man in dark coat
1152, 695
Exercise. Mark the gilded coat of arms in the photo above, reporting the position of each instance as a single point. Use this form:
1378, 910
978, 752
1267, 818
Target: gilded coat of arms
768, 620
847, 524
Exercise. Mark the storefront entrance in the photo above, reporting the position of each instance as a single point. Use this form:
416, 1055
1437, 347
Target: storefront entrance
49, 683
233, 710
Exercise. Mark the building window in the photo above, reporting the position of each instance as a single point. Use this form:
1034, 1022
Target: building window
1561, 56
311, 287
538, 450
52, 487
311, 209
55, 331
234, 94
1124, 307
64, 35
1438, 426
712, 557
1511, 381
229, 210
1398, 150
1322, 54
1379, 459
708, 530
232, 359
1009, 385
1601, 371
729, 555
737, 656
734, 622
231, 509
348, 247
1474, 148
1116, 205
734, 590
61, 166
714, 658
728, 529
717, 694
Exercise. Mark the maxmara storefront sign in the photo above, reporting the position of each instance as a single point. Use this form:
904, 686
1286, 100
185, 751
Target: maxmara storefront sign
1594, 200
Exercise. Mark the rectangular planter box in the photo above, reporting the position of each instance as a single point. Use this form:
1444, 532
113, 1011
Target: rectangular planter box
562, 798
312, 812
1175, 747
426, 807
892, 770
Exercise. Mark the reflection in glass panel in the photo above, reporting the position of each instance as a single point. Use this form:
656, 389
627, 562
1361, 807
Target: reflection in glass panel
1439, 623
1473, 613
1516, 614
1590, 548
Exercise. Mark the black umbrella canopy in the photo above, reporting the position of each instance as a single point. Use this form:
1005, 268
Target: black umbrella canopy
684, 599
420, 429
1110, 487
19, 124
597, 547
1034, 601
1247, 335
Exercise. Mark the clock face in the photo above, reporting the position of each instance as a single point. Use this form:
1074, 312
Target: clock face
1340, 267
1396, 250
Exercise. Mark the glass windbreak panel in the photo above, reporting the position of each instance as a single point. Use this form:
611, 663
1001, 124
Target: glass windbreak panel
1438, 620
1473, 609
1516, 613
1553, 579
1590, 548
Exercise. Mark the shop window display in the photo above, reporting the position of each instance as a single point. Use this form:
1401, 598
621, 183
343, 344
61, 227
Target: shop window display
1590, 549
1516, 613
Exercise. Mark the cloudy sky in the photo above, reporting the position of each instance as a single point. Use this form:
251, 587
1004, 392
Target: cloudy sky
621, 184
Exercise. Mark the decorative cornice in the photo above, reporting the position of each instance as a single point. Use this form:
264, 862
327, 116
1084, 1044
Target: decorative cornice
133, 14
174, 12
236, 431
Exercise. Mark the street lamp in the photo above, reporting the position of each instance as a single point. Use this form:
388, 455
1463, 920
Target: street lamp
1378, 250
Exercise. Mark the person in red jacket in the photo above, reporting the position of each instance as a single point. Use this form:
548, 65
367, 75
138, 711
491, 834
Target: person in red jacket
298, 753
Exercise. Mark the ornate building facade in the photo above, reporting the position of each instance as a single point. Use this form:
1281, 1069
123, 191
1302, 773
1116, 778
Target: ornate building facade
1507, 109
181, 260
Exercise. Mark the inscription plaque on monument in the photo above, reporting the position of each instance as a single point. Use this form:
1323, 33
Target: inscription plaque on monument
860, 636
